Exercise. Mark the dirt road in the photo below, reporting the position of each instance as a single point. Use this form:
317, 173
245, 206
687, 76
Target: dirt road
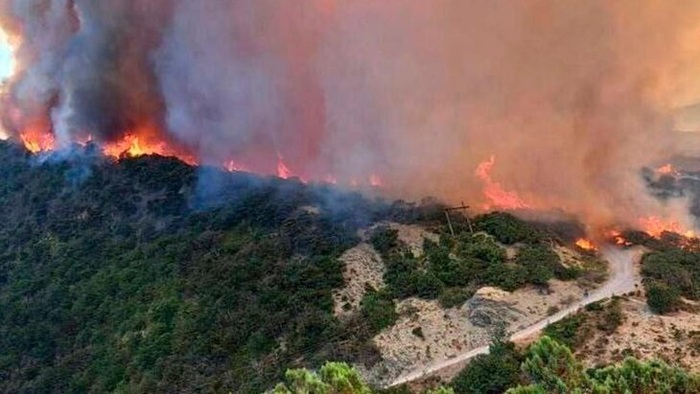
622, 279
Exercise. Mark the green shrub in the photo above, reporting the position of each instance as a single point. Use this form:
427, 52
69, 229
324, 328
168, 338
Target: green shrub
378, 309
491, 373
384, 239
507, 228
662, 298
566, 330
454, 296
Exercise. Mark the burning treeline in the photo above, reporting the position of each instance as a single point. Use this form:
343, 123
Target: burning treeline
562, 102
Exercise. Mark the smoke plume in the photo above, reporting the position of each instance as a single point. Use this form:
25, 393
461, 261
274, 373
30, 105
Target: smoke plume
570, 98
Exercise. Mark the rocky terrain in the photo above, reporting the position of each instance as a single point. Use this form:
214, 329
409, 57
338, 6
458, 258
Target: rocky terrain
426, 332
364, 268
674, 338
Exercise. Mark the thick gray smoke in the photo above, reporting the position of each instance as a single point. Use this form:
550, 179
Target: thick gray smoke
86, 66
571, 98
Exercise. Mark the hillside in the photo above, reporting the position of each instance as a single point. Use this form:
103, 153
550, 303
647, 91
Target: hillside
149, 275
146, 274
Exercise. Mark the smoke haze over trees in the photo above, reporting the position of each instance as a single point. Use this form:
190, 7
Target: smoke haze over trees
571, 98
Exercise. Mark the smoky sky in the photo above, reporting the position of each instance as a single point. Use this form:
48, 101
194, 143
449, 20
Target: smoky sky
571, 98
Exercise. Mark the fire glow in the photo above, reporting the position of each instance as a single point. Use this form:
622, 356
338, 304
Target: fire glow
666, 169
586, 244
142, 143
498, 197
315, 96
655, 226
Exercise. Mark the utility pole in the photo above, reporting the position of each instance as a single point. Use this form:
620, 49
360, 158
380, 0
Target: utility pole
459, 208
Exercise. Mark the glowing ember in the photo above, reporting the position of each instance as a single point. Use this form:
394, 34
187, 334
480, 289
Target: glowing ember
282, 169
499, 197
232, 166
585, 244
666, 169
375, 180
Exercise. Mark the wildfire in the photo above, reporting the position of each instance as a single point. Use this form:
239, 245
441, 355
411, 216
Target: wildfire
282, 169
616, 236
36, 142
135, 145
655, 226
586, 244
494, 192
666, 169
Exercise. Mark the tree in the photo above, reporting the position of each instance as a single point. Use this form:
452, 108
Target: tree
552, 368
333, 378
491, 373
662, 298
378, 309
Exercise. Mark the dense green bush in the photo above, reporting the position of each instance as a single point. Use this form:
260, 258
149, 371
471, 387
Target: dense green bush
552, 368
384, 239
465, 261
662, 298
379, 310
491, 373
668, 275
507, 228
567, 330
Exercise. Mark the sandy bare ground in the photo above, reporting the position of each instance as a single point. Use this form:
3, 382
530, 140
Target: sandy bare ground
622, 280
674, 338
364, 267
427, 334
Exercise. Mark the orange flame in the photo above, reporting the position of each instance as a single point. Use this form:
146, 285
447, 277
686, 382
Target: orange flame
494, 192
36, 141
282, 169
585, 244
135, 145
655, 226
146, 140
616, 236
666, 169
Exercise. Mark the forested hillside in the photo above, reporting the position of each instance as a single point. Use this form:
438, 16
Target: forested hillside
147, 275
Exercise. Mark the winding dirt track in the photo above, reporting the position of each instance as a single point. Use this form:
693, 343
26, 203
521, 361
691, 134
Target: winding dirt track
622, 279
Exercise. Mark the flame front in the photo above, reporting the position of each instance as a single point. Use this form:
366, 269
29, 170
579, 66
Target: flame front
144, 142
282, 169
655, 226
498, 197
585, 244
36, 141
616, 237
